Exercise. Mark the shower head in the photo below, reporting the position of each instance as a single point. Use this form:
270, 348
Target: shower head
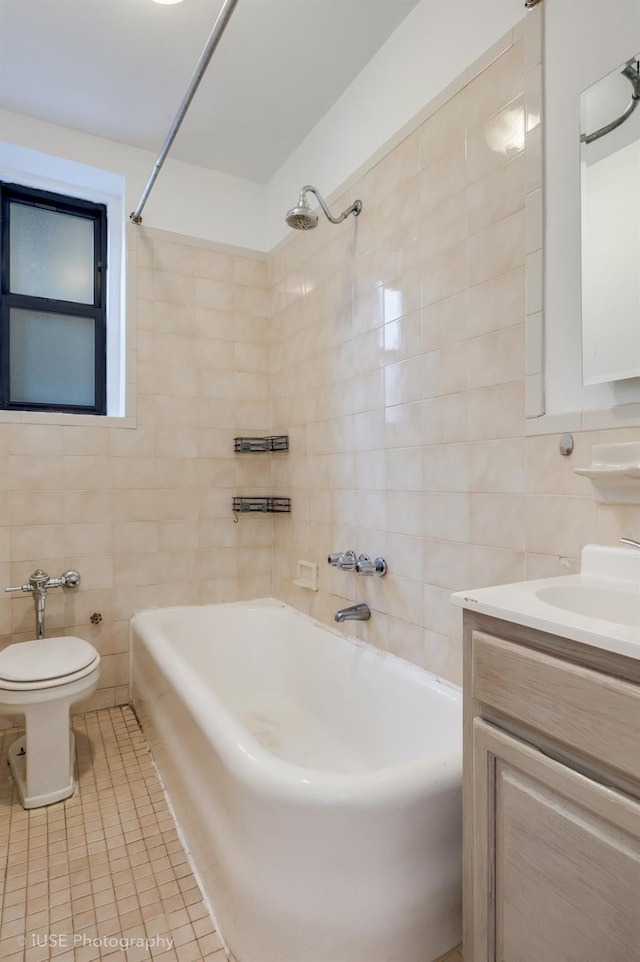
302, 217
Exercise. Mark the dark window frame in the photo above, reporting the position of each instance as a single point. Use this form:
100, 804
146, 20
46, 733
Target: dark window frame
17, 193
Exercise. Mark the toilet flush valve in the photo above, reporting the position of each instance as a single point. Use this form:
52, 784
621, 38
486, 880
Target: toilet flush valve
70, 579
38, 585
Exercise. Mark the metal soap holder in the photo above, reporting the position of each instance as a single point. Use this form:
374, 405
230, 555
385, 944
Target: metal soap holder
278, 442
267, 505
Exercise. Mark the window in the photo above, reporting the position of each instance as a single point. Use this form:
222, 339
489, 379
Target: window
53, 293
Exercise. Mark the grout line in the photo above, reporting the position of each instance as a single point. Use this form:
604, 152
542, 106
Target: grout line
103, 875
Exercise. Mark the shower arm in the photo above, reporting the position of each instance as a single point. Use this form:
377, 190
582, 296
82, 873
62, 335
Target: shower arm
633, 76
355, 208
214, 37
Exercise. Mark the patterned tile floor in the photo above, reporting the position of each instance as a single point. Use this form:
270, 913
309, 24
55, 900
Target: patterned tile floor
103, 875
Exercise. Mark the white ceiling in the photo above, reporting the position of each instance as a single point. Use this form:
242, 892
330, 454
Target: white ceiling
119, 69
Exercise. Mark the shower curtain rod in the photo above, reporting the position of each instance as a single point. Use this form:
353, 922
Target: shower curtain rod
218, 29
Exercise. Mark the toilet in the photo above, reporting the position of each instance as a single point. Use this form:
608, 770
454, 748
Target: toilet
41, 679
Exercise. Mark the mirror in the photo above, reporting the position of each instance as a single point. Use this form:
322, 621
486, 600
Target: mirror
610, 218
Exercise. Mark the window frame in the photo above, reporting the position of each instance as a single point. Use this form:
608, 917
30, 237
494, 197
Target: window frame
97, 212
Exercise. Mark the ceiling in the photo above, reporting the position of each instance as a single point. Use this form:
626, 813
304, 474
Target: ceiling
119, 69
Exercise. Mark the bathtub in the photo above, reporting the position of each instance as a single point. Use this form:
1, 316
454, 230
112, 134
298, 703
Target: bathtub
316, 780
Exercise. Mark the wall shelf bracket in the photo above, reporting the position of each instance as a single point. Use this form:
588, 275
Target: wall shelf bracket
267, 505
279, 442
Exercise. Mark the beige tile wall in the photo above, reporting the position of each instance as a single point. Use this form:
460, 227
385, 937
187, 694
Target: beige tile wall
145, 513
398, 367
392, 351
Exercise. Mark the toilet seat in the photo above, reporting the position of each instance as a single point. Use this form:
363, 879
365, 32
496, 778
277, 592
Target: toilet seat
46, 663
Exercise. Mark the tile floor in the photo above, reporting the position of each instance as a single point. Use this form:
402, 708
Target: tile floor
102, 876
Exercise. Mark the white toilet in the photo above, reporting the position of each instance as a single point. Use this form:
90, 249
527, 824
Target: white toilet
41, 680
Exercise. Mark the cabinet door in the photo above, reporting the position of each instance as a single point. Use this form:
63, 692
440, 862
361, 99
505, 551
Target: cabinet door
556, 859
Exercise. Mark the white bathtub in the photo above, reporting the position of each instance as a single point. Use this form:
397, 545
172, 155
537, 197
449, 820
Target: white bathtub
317, 782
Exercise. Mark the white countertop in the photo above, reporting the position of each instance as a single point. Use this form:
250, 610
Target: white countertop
521, 604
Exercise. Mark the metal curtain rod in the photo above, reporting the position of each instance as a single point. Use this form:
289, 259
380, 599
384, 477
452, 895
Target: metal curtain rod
218, 29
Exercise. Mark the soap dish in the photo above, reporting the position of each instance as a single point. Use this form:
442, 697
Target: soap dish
615, 472
307, 575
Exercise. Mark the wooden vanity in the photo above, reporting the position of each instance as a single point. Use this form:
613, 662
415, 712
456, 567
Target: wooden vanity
551, 796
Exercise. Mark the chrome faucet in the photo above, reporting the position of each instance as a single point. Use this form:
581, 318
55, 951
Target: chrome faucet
365, 566
360, 612
346, 560
634, 544
361, 564
38, 585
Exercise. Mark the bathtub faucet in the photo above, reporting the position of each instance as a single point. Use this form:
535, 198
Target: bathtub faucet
365, 566
346, 560
362, 564
354, 613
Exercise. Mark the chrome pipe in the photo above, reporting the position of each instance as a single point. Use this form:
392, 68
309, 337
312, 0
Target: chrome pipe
39, 600
354, 209
632, 74
301, 217
218, 29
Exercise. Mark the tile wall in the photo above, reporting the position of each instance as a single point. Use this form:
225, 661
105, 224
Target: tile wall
391, 349
144, 512
398, 367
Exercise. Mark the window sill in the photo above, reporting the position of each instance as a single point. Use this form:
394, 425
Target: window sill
69, 420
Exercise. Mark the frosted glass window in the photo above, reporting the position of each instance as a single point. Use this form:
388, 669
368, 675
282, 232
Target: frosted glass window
51, 254
52, 358
52, 301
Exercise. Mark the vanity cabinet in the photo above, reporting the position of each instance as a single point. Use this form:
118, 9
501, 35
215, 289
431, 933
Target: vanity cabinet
552, 798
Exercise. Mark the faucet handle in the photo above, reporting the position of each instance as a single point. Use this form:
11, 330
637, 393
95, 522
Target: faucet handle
346, 560
365, 566
38, 579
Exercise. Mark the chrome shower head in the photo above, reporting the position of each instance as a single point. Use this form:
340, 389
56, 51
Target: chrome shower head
302, 217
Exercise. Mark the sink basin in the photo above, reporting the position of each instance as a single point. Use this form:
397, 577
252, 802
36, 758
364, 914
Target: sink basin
594, 601
599, 607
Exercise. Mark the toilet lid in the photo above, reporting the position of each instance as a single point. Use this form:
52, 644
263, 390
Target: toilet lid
45, 658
